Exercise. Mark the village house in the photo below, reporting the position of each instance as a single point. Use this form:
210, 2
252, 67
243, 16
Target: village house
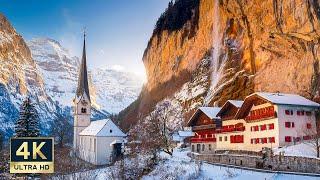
204, 123
263, 119
97, 142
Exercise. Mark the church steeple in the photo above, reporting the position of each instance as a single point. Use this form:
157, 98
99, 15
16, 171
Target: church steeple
83, 87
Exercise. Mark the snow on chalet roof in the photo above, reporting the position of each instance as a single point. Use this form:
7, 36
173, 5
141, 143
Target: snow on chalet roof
236, 103
287, 99
211, 112
104, 127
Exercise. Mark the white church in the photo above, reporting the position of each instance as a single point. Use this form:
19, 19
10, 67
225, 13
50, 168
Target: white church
97, 142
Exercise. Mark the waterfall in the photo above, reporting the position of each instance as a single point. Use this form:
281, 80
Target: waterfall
217, 66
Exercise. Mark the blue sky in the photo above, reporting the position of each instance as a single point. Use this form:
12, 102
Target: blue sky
117, 30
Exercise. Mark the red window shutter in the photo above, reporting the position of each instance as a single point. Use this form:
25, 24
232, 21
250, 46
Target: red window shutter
287, 124
257, 140
308, 125
302, 113
265, 140
306, 137
287, 139
298, 113
287, 112
272, 140
292, 124
252, 141
271, 126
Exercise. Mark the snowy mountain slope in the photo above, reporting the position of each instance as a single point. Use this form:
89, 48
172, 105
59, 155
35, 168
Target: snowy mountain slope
19, 77
115, 89
111, 90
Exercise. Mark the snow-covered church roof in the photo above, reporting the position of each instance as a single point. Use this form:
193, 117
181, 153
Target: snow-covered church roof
104, 128
286, 99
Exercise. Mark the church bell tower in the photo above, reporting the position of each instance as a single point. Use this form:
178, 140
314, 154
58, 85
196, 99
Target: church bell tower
82, 103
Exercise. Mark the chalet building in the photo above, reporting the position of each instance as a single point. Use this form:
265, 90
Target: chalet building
98, 141
204, 123
262, 120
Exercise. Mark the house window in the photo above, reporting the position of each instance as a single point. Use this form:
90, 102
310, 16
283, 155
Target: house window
252, 140
110, 130
271, 126
292, 124
192, 148
209, 147
308, 113
263, 127
289, 112
272, 140
287, 138
83, 110
264, 140
203, 147
220, 138
308, 126
257, 140
226, 138
306, 137
287, 124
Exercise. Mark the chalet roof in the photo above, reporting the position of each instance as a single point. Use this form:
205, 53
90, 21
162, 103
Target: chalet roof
286, 99
274, 98
235, 103
104, 127
83, 87
185, 133
211, 112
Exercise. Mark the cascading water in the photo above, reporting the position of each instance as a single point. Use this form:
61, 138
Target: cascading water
217, 66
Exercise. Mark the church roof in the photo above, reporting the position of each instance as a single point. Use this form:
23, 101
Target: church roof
83, 87
102, 128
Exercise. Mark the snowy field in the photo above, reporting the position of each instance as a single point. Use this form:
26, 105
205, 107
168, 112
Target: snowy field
180, 166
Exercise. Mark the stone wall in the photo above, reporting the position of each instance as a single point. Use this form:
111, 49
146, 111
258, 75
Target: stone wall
285, 163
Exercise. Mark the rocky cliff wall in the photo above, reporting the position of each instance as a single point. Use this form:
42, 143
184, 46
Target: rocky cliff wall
270, 45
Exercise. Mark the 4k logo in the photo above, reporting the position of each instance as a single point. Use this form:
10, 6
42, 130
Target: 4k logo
31, 155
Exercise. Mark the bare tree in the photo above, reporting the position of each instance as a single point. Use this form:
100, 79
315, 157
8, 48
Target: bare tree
312, 137
61, 129
160, 128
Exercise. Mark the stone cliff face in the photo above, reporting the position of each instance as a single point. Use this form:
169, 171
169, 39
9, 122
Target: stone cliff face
19, 77
270, 45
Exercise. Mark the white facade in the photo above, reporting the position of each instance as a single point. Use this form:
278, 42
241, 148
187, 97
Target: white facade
291, 120
97, 142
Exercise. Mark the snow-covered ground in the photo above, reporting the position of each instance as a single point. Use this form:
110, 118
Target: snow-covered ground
180, 166
303, 149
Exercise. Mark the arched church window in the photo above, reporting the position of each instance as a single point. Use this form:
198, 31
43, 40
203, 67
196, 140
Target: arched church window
83, 110
110, 130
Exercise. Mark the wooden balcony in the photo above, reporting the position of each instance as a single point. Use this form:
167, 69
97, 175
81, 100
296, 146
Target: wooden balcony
210, 126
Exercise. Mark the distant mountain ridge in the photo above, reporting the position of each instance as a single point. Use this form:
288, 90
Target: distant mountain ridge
110, 90
45, 71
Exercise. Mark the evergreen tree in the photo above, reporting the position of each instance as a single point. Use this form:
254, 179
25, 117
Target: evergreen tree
28, 123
